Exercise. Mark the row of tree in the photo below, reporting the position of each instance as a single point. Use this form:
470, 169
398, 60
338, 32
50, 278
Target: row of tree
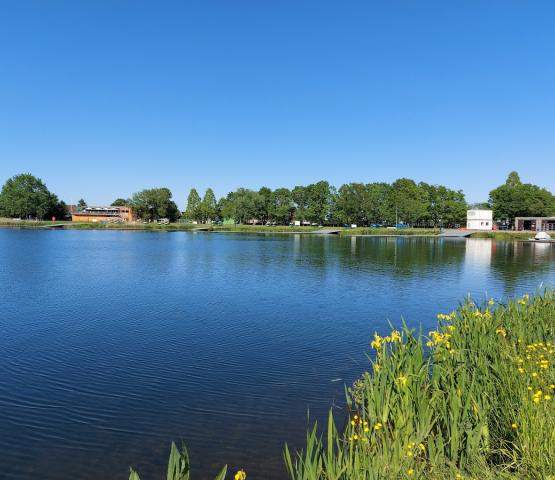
404, 200
364, 204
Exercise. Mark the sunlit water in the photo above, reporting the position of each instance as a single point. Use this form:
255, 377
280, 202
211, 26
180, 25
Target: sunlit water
114, 343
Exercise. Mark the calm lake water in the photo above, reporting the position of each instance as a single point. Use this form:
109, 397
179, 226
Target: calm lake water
114, 343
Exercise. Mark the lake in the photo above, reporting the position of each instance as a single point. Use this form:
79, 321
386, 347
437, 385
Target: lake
115, 343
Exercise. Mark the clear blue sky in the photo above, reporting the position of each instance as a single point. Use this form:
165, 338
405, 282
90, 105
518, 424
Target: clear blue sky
104, 98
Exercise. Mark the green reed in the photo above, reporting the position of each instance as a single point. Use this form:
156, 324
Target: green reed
471, 399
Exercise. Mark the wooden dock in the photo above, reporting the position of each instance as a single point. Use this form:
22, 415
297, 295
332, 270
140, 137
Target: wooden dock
456, 233
327, 231
55, 225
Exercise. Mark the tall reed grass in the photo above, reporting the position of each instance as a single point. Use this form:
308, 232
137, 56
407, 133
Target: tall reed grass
472, 399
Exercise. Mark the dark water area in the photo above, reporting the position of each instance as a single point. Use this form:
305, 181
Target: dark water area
115, 343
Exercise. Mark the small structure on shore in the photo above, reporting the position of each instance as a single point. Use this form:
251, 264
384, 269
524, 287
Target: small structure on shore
103, 214
535, 224
477, 219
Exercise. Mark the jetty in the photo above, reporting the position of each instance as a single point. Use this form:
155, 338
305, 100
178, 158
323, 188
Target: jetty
55, 225
456, 233
327, 231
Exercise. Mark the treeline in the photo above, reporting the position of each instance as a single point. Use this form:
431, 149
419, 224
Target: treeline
365, 204
403, 201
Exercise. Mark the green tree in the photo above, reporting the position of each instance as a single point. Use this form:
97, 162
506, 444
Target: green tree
318, 201
60, 210
155, 203
351, 202
446, 207
208, 206
26, 196
408, 202
517, 199
363, 204
265, 204
121, 202
242, 205
226, 207
300, 198
376, 202
282, 208
193, 210
81, 204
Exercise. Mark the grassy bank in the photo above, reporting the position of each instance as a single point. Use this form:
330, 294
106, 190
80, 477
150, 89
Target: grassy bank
6, 222
472, 399
504, 235
388, 231
498, 235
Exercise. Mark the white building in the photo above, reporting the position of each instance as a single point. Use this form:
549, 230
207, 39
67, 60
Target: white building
479, 219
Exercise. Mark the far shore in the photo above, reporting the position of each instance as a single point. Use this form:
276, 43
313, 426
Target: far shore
187, 227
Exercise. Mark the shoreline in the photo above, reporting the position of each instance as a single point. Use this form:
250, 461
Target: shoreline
175, 227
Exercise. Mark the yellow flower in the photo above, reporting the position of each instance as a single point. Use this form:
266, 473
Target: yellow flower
377, 342
491, 301
410, 472
240, 475
378, 426
501, 331
422, 447
547, 397
395, 336
513, 425
402, 380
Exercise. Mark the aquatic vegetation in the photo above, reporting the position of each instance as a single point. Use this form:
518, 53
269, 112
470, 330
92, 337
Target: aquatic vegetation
179, 467
472, 399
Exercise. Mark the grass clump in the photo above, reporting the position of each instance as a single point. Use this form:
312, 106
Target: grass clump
472, 399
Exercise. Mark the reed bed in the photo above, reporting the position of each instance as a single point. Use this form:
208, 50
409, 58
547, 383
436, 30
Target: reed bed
473, 399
